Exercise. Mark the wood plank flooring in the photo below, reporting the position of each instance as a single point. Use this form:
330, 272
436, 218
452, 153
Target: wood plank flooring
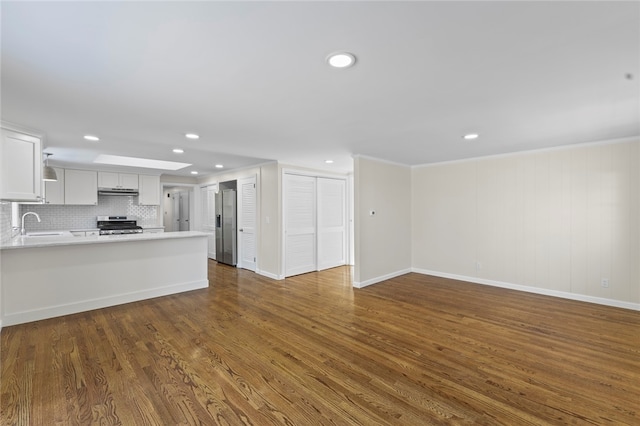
311, 350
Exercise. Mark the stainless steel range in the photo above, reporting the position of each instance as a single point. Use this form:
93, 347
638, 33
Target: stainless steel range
118, 225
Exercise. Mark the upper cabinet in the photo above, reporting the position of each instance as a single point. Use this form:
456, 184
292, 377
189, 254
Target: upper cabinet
149, 190
117, 180
20, 165
54, 190
80, 187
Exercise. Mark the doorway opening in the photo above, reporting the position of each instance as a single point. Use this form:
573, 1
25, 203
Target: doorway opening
177, 208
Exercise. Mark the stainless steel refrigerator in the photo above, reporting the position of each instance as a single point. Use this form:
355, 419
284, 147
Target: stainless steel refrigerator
226, 251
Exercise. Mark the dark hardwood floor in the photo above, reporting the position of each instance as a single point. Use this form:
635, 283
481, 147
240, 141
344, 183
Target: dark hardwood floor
311, 350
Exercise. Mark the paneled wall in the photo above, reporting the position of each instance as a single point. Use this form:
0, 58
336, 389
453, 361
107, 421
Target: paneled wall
559, 220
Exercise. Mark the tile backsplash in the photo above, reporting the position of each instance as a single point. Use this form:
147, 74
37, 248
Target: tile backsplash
70, 217
5, 221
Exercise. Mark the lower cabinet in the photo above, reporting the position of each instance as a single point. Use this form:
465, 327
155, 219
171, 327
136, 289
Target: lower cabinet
153, 230
85, 233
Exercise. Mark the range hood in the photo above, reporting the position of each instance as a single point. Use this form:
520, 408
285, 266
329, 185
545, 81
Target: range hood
117, 191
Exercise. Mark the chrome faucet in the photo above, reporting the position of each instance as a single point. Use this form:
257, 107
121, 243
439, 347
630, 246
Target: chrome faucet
22, 230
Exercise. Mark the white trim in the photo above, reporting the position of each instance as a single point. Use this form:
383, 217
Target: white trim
536, 290
22, 129
269, 275
380, 160
381, 278
313, 173
528, 151
103, 302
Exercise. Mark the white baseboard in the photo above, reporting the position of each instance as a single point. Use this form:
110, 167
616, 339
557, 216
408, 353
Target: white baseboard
380, 278
88, 305
536, 290
269, 275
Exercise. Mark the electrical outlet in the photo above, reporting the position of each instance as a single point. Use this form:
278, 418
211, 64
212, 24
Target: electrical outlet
605, 283
478, 266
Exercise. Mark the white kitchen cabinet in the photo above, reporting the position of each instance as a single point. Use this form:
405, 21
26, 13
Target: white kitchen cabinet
80, 187
149, 193
117, 180
20, 165
153, 230
85, 233
54, 190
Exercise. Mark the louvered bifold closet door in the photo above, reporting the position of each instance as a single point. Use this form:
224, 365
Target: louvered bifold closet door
331, 222
300, 224
247, 223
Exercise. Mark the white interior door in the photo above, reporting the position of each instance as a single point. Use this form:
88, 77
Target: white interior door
208, 194
247, 214
299, 224
331, 222
168, 211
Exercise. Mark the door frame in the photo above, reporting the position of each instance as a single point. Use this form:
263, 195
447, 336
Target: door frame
194, 202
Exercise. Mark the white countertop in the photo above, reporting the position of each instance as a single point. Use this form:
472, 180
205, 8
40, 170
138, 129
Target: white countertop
20, 242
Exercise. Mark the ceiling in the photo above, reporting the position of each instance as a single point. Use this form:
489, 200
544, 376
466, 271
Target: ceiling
251, 79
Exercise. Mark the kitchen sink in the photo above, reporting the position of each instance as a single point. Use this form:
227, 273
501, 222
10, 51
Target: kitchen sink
49, 234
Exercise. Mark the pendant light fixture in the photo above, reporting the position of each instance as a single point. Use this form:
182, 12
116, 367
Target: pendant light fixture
48, 172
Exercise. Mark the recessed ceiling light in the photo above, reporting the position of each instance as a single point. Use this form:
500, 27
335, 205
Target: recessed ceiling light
178, 150
219, 166
471, 136
328, 161
341, 60
193, 172
117, 160
192, 136
91, 138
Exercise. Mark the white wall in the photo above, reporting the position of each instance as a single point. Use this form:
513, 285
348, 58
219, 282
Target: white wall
174, 179
556, 221
270, 244
382, 241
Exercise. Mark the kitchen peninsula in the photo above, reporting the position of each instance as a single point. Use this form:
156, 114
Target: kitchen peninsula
45, 277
